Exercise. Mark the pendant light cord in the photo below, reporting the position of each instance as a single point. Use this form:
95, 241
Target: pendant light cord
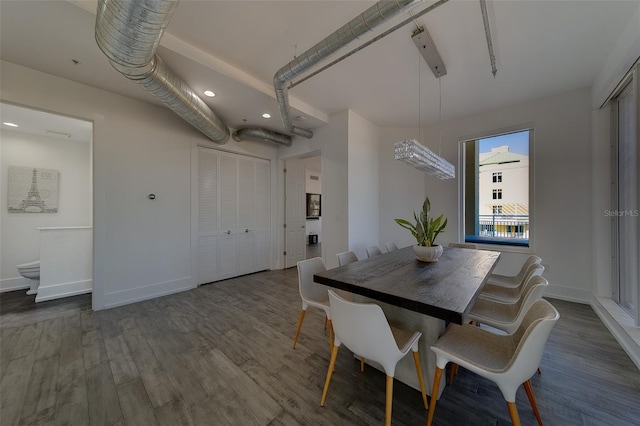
419, 99
440, 118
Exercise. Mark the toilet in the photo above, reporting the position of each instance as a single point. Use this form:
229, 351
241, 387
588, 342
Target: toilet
31, 270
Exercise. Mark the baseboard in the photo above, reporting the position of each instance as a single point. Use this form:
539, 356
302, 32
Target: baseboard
59, 291
620, 325
124, 297
570, 294
13, 284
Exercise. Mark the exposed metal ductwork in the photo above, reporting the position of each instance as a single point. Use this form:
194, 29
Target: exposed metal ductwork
258, 134
370, 19
129, 32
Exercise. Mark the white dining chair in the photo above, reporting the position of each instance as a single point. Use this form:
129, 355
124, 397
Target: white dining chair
464, 245
364, 330
502, 294
373, 251
391, 246
508, 316
513, 280
312, 293
507, 360
346, 257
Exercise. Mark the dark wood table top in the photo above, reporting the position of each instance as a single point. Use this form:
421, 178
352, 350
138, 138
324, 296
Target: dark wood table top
445, 289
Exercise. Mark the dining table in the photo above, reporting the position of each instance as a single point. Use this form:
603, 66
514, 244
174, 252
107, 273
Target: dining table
416, 295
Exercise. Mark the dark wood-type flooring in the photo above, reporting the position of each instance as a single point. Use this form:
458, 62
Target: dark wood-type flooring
221, 354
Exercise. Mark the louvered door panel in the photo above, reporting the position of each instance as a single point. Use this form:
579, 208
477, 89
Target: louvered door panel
207, 215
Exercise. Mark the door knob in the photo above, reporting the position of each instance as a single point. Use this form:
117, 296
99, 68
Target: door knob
229, 231
246, 230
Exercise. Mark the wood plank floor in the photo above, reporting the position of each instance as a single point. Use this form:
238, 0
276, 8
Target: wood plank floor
221, 354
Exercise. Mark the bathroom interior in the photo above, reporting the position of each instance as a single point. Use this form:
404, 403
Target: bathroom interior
46, 247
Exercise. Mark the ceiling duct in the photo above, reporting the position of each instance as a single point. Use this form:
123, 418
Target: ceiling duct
129, 32
375, 16
258, 134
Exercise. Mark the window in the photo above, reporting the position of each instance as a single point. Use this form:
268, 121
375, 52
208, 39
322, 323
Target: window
625, 202
502, 158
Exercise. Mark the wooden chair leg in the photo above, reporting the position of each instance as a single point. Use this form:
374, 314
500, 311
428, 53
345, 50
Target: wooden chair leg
330, 325
532, 399
453, 370
388, 401
416, 359
362, 364
434, 395
332, 363
295, 339
513, 412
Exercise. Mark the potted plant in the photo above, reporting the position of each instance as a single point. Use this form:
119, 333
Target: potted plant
425, 231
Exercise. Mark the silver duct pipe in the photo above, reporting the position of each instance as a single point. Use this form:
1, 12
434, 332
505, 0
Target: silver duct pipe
128, 33
258, 134
487, 33
376, 15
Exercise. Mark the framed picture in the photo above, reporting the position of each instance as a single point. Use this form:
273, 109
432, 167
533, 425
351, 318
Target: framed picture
313, 205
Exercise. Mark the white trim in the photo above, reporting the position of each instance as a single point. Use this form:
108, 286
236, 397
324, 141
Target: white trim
124, 297
570, 294
59, 291
13, 284
620, 324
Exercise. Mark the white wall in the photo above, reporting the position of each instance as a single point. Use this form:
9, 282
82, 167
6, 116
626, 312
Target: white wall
620, 59
20, 237
402, 188
363, 185
139, 149
562, 204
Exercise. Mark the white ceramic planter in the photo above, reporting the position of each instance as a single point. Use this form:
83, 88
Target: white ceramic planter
427, 254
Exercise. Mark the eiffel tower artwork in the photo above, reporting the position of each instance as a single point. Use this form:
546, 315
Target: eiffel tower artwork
35, 201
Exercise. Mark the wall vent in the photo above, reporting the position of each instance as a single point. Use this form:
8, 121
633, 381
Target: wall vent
312, 177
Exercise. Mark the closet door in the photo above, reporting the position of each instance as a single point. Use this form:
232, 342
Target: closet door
228, 223
262, 216
234, 209
246, 216
207, 216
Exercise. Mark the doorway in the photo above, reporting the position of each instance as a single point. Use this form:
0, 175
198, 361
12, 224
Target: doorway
303, 208
46, 201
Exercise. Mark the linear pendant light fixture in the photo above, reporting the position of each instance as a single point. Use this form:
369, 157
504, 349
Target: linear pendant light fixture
411, 151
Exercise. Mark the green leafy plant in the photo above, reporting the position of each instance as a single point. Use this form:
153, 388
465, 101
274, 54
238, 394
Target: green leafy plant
426, 228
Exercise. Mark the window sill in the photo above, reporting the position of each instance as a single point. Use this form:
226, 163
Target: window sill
516, 242
620, 324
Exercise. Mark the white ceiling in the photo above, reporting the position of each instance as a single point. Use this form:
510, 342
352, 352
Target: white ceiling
235, 47
45, 124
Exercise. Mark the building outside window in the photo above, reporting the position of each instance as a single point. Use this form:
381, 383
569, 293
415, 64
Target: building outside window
503, 159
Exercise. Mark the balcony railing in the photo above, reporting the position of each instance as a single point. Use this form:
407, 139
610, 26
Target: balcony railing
504, 226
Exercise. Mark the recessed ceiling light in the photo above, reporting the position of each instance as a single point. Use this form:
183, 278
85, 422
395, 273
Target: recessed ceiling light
6, 123
266, 115
209, 93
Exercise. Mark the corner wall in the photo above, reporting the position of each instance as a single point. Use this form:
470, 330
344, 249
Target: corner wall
363, 185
